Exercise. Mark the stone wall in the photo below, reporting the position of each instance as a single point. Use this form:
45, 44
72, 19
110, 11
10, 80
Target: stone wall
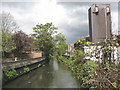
20, 68
18, 64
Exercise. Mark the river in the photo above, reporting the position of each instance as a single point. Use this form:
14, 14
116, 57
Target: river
52, 75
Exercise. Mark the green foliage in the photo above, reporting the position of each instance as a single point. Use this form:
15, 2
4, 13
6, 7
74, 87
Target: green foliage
26, 69
60, 59
7, 27
50, 56
105, 70
93, 87
44, 38
47, 40
39, 65
78, 57
115, 83
7, 41
81, 68
10, 74
81, 43
61, 45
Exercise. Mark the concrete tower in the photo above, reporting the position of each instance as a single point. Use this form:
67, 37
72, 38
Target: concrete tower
99, 22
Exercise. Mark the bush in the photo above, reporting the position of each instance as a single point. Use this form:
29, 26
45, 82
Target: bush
26, 69
81, 68
10, 74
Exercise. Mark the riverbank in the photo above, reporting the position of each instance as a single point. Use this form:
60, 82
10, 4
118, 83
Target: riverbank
19, 64
13, 70
92, 74
81, 68
52, 75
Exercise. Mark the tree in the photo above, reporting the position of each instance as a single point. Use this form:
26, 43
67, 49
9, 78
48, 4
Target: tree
7, 27
7, 42
61, 45
22, 42
45, 38
8, 23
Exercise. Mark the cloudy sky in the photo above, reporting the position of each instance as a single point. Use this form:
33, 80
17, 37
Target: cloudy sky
71, 18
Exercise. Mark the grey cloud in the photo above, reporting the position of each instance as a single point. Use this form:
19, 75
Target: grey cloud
75, 33
71, 5
78, 29
21, 5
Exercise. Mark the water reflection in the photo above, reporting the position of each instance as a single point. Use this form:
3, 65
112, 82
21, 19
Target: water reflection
51, 75
55, 65
40, 76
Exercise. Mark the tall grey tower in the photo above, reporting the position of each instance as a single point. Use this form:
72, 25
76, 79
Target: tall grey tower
99, 22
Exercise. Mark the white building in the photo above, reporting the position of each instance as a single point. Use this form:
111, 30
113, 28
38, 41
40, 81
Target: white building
95, 53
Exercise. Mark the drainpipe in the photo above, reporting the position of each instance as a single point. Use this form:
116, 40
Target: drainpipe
106, 24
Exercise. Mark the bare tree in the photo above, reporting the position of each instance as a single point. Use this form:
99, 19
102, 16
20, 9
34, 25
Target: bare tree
8, 22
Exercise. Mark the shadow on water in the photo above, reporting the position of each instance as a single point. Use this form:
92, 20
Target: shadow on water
52, 75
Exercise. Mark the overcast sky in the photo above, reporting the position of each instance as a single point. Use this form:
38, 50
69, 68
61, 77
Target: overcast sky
71, 18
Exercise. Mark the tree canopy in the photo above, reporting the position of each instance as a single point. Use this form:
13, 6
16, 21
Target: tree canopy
46, 38
22, 42
7, 42
61, 45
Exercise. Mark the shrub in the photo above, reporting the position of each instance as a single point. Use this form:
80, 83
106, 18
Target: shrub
10, 74
26, 69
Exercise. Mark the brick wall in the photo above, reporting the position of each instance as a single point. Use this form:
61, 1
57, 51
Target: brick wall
35, 55
26, 55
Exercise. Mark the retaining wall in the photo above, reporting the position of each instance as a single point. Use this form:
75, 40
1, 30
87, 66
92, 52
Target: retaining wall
19, 67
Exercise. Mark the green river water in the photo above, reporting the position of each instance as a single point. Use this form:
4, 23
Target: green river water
52, 75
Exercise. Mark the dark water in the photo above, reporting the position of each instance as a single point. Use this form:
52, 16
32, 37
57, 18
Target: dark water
52, 75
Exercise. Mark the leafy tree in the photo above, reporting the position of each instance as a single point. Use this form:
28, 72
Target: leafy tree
45, 38
7, 27
7, 42
61, 45
22, 42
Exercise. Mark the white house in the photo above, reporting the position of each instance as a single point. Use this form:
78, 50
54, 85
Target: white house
95, 53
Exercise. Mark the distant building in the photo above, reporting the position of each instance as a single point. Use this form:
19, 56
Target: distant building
99, 22
69, 50
70, 47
